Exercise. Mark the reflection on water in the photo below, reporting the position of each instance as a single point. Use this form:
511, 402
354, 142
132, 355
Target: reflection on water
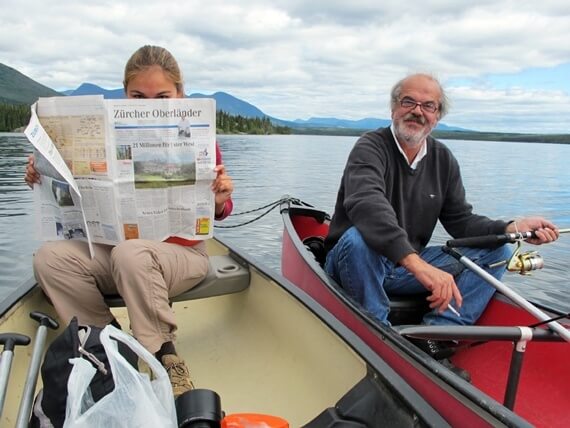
503, 180
16, 204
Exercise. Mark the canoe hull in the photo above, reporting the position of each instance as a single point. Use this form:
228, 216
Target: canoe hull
268, 349
459, 402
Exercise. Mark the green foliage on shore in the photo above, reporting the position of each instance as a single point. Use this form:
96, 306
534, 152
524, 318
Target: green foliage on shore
329, 131
13, 116
229, 124
507, 137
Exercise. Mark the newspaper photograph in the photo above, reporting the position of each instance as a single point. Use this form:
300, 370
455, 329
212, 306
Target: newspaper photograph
123, 169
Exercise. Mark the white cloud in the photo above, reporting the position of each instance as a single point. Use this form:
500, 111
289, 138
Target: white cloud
297, 59
515, 109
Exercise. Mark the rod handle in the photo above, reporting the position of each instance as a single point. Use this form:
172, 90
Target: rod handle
489, 241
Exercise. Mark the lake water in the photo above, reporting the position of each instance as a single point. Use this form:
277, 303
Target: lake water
503, 180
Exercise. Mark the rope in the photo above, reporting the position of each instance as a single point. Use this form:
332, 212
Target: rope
271, 206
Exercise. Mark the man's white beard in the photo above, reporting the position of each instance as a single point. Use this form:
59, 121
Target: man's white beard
411, 139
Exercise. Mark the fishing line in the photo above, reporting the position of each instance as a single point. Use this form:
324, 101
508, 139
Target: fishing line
538, 324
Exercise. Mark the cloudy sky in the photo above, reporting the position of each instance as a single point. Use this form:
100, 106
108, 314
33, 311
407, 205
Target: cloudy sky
505, 64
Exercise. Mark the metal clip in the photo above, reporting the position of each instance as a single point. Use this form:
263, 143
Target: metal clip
98, 364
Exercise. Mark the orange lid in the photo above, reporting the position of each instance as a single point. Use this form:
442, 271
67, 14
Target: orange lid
253, 420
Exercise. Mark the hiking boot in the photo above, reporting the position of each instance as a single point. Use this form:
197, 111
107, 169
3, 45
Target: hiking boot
462, 373
437, 349
441, 350
178, 373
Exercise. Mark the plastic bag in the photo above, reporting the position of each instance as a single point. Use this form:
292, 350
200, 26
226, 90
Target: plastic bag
136, 401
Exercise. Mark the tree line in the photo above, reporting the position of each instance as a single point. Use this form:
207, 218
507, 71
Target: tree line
14, 116
230, 124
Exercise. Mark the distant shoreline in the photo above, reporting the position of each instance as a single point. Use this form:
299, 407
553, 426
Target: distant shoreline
441, 135
451, 135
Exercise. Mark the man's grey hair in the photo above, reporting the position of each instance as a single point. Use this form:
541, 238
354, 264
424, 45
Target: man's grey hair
443, 107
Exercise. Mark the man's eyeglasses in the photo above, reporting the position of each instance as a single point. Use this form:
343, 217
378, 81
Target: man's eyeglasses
410, 103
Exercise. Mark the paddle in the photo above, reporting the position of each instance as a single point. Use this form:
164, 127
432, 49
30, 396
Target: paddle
45, 321
518, 299
10, 341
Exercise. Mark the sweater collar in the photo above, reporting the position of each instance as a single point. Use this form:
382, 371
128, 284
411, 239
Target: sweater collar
421, 154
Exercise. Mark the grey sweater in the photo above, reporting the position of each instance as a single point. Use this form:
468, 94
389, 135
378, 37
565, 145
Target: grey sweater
395, 207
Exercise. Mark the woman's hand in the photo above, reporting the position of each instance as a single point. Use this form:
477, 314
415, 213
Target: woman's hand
222, 187
32, 176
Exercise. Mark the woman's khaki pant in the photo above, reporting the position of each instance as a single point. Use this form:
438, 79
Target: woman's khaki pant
145, 274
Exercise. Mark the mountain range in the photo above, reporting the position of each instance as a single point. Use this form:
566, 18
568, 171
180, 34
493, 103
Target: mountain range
235, 106
16, 88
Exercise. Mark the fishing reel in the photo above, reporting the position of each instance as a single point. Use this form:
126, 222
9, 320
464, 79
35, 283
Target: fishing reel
524, 262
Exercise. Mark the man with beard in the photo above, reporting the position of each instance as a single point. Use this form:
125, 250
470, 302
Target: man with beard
397, 183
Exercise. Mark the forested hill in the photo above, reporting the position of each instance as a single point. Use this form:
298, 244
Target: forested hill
17, 93
16, 88
237, 124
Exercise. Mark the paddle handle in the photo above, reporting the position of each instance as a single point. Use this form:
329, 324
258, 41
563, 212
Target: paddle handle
45, 322
10, 341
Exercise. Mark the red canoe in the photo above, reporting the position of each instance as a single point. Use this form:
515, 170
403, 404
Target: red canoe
524, 385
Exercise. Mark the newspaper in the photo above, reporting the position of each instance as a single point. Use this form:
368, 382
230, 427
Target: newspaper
122, 169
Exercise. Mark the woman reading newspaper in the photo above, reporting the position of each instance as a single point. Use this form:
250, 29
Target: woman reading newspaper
145, 273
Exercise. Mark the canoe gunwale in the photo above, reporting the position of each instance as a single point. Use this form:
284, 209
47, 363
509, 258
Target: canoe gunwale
479, 333
16, 295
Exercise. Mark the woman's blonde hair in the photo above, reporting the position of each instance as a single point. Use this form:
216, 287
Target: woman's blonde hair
148, 56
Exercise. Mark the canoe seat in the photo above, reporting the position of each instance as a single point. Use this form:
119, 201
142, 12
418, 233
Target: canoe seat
407, 309
225, 276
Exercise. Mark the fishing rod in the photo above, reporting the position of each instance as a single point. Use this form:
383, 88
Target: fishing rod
522, 261
487, 241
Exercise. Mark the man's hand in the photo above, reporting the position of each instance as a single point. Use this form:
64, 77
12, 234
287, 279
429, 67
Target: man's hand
544, 229
440, 284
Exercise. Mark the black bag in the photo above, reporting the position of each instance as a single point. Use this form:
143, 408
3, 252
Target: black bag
75, 341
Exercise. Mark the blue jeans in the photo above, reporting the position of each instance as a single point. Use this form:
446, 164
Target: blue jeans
370, 278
